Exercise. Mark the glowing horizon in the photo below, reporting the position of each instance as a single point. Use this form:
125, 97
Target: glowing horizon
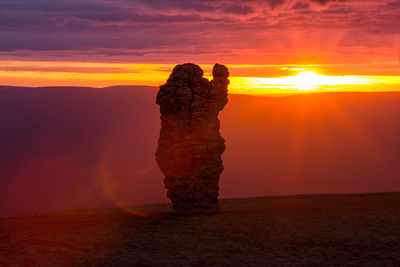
274, 79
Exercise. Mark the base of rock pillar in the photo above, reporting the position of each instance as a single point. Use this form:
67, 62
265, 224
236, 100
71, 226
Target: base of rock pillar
189, 205
190, 210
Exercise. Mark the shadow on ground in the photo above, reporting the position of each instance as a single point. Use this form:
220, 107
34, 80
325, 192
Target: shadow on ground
313, 230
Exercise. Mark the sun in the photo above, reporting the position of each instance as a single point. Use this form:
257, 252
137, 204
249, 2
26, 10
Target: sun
308, 80
304, 81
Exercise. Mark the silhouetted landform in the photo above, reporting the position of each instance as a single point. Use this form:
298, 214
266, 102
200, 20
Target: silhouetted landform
319, 230
190, 145
71, 148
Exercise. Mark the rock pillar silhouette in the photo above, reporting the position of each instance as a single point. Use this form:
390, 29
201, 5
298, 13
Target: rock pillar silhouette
190, 146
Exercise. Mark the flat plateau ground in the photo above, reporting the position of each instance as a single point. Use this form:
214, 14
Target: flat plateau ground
308, 230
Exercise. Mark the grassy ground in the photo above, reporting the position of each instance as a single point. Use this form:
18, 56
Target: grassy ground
314, 230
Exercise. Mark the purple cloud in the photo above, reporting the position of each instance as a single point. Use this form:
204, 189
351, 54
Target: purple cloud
165, 30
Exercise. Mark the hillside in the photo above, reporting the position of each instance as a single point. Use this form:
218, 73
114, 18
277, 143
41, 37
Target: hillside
73, 147
307, 230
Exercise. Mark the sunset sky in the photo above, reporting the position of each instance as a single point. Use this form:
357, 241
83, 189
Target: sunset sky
269, 45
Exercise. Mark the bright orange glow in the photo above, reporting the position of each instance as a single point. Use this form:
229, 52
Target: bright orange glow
245, 79
309, 81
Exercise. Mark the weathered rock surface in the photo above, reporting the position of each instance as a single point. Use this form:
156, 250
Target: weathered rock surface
190, 146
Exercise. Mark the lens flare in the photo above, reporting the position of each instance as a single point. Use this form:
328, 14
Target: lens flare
114, 178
